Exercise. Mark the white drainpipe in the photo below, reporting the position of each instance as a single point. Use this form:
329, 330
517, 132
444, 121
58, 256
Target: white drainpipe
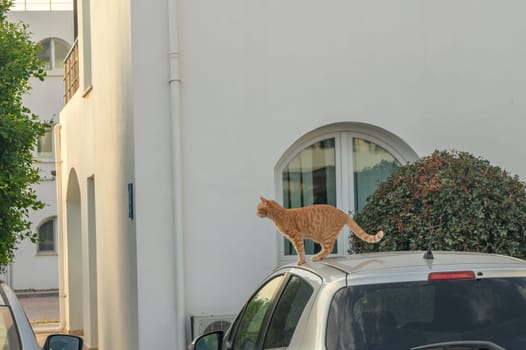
177, 174
61, 247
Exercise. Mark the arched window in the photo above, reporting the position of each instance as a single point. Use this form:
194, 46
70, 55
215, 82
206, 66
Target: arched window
341, 165
53, 53
46, 233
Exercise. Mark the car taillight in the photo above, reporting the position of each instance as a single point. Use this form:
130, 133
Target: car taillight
451, 275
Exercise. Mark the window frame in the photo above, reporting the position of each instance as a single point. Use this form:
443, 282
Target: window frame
231, 337
312, 280
39, 251
53, 70
343, 134
282, 302
43, 156
87, 78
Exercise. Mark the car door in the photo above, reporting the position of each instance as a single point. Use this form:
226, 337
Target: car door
271, 316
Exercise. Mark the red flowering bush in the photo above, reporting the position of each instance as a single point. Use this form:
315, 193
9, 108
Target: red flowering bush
452, 199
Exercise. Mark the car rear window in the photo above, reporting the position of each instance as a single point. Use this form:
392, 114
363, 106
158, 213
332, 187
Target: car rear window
405, 315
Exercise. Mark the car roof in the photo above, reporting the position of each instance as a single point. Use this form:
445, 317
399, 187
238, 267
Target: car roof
411, 266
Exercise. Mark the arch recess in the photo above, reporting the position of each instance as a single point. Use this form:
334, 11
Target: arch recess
73, 242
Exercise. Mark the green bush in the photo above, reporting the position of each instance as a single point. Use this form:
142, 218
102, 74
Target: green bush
457, 201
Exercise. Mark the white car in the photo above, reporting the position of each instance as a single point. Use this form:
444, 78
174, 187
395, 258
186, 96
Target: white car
385, 301
16, 332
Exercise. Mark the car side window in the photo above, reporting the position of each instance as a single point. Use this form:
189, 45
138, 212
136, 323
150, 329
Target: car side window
253, 319
288, 312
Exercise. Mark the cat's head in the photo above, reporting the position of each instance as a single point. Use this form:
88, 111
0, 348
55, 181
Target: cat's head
264, 207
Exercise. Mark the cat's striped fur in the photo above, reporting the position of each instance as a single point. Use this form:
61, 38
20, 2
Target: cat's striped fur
321, 223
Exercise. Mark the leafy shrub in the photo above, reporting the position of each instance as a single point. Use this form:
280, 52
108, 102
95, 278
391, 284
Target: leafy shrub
457, 201
19, 132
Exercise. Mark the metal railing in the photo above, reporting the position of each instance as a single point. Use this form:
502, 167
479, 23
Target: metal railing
71, 72
42, 5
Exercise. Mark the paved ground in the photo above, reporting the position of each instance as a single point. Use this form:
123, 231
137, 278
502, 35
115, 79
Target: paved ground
43, 312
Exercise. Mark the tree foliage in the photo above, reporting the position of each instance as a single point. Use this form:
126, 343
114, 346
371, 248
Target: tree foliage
19, 132
454, 199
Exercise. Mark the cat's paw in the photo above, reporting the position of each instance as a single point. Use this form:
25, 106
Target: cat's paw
300, 262
321, 255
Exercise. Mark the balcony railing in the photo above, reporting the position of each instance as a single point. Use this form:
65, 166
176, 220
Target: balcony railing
71, 72
42, 5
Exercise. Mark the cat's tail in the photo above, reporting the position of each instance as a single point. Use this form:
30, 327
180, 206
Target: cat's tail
364, 236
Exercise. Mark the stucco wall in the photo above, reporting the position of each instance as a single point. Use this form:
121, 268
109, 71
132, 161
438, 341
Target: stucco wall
255, 77
259, 75
97, 145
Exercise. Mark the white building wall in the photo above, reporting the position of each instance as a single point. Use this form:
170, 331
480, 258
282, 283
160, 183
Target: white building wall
259, 75
256, 77
96, 137
154, 176
31, 270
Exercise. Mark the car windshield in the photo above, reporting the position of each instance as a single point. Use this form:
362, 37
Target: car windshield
9, 339
405, 315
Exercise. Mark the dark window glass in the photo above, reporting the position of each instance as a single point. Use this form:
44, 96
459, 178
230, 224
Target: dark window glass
47, 237
255, 314
46, 55
45, 145
54, 52
405, 315
310, 178
371, 166
287, 314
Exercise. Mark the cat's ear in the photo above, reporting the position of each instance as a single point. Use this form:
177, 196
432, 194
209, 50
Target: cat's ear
262, 200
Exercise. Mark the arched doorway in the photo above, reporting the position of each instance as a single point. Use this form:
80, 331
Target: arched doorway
73, 240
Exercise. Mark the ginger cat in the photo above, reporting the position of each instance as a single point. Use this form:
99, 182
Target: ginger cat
321, 223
